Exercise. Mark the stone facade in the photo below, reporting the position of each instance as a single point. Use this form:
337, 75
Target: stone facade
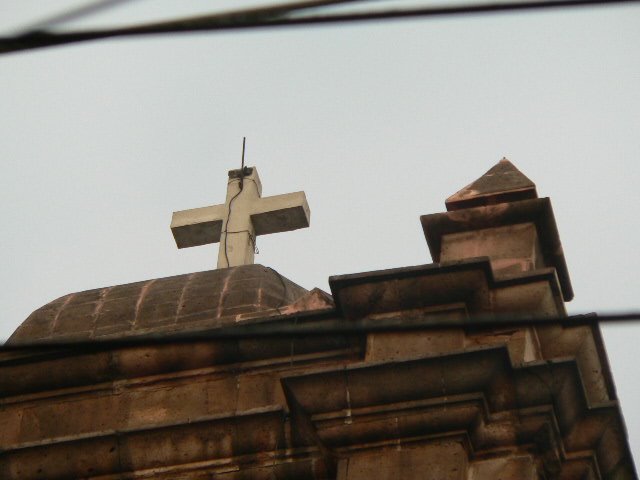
457, 402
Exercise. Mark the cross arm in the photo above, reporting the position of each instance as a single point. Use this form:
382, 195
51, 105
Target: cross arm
281, 213
197, 226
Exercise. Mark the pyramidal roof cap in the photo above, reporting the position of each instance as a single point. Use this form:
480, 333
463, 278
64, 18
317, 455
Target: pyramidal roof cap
502, 183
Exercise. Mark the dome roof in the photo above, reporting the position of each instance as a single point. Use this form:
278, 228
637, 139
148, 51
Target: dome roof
185, 302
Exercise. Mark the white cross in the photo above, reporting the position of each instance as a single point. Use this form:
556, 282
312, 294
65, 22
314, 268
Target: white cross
243, 216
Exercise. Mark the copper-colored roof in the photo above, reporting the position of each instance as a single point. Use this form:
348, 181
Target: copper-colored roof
193, 301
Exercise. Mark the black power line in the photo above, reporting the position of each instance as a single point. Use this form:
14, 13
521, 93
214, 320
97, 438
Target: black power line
321, 324
36, 35
73, 14
281, 16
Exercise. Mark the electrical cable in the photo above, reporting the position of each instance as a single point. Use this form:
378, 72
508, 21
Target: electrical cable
36, 31
264, 18
71, 14
322, 323
226, 227
226, 232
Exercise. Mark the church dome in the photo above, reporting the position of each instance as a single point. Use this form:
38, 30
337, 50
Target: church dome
185, 302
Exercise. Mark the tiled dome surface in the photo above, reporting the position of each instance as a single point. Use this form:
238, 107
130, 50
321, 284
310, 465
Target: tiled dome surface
184, 302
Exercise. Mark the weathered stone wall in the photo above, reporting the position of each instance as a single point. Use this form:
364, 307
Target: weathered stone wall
460, 402
449, 403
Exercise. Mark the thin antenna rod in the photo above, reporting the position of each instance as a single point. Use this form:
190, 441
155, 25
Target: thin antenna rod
244, 140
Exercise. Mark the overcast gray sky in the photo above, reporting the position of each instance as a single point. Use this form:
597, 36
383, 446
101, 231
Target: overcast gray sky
377, 123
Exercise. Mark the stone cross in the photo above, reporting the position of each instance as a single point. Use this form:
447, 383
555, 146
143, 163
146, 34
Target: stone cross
243, 216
